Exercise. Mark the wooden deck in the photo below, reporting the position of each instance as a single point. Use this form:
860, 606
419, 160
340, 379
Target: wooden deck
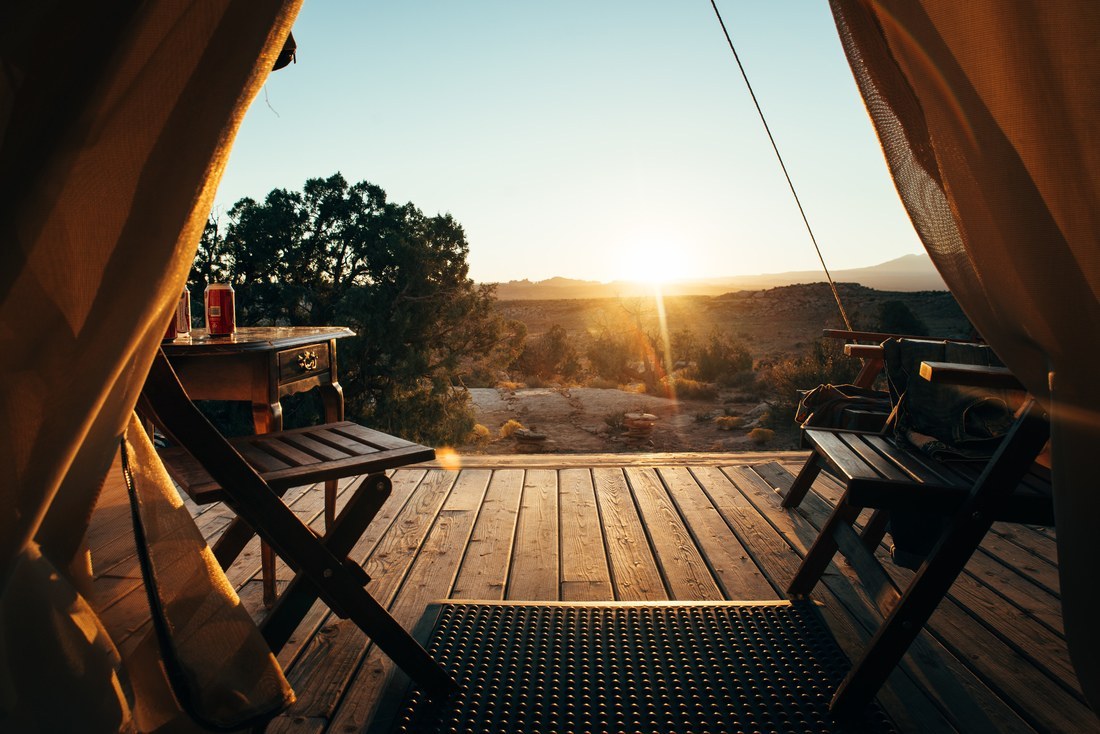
683, 527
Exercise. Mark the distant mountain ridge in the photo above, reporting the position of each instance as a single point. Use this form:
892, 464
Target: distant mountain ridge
906, 273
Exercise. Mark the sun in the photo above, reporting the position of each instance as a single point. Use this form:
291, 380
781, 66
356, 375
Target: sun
652, 260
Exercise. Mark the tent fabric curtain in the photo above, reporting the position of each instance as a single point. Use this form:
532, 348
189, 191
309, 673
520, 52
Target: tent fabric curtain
115, 125
989, 117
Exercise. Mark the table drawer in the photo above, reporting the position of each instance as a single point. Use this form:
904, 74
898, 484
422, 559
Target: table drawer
302, 362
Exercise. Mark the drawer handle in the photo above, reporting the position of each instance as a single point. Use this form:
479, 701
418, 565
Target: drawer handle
307, 361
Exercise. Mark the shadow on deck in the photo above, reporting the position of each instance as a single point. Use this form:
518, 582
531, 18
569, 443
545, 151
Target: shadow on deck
686, 527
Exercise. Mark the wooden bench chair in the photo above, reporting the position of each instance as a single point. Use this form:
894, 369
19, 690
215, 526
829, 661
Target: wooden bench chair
964, 499
250, 474
867, 347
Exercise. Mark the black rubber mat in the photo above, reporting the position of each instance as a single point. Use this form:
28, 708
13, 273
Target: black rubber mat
761, 667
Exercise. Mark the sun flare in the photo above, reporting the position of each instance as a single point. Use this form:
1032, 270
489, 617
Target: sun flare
655, 261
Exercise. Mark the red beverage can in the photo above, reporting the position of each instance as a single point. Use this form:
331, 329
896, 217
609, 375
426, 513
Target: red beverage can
183, 313
170, 334
221, 319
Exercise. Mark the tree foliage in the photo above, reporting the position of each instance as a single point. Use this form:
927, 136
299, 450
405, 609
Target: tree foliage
335, 253
721, 358
550, 355
825, 364
895, 317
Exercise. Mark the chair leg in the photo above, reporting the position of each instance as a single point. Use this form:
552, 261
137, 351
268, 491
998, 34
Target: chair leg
934, 579
267, 573
803, 482
901, 627
232, 542
342, 535
875, 529
822, 551
330, 505
229, 546
356, 604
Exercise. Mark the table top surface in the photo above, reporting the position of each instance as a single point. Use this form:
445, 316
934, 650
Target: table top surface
251, 339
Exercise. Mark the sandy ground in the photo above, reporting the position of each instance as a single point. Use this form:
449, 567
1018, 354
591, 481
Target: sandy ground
578, 420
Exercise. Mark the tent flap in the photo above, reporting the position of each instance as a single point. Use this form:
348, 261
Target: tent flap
988, 116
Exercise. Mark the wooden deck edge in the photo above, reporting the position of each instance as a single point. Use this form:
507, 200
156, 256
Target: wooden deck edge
451, 460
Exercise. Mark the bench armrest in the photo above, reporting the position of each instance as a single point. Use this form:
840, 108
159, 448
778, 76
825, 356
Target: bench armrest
864, 351
971, 375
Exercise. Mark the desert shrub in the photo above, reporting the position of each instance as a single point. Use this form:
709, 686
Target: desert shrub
480, 434
682, 344
550, 354
510, 427
729, 422
429, 411
825, 363
721, 358
603, 383
744, 380
615, 421
479, 375
761, 436
686, 389
609, 356
509, 385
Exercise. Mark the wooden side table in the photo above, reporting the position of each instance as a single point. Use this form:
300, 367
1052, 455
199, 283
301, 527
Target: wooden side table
262, 365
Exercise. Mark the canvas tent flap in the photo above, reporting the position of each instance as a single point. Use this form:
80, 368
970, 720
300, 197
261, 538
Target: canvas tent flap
219, 666
115, 125
989, 116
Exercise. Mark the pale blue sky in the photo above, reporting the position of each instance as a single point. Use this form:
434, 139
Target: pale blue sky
596, 139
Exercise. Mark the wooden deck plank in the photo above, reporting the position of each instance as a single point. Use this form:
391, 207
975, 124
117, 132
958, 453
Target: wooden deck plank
617, 461
430, 578
967, 702
686, 574
737, 574
1032, 616
1050, 706
1014, 627
484, 570
121, 598
405, 483
977, 696
331, 659
1023, 562
585, 575
634, 572
1017, 588
606, 527
1030, 539
535, 568
780, 538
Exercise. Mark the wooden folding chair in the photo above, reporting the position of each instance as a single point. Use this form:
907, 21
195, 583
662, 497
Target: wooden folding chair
873, 365
882, 474
214, 469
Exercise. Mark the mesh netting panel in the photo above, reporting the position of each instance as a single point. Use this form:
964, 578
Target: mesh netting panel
633, 668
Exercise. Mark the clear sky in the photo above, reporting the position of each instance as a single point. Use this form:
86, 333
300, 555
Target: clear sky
594, 139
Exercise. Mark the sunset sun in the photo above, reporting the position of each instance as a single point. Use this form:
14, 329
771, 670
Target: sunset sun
653, 260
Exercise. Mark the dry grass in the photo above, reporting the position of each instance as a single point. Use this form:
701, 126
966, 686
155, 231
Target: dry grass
729, 422
509, 428
761, 436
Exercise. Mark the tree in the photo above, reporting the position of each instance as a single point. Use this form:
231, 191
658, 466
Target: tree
339, 254
550, 355
721, 358
894, 317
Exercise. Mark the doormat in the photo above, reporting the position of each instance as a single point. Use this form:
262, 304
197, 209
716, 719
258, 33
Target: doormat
627, 667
